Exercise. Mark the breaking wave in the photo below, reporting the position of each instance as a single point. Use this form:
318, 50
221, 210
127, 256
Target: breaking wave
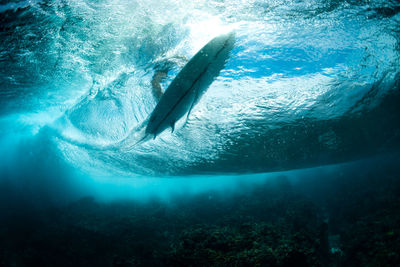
308, 83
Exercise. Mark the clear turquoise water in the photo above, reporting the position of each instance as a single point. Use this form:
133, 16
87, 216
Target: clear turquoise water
308, 84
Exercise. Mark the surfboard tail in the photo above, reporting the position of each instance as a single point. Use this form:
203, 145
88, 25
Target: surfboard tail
143, 139
137, 137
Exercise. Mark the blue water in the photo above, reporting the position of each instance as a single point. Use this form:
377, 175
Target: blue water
291, 157
308, 84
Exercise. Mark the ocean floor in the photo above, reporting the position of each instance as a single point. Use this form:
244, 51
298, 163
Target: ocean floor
346, 217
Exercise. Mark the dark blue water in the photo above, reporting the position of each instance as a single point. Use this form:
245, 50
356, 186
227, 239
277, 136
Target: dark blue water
310, 93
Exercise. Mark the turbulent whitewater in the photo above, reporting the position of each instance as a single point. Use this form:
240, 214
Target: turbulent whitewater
308, 83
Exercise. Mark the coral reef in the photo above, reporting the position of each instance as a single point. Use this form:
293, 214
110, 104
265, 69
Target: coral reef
340, 222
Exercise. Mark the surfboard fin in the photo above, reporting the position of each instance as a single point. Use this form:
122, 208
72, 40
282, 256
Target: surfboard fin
172, 126
195, 99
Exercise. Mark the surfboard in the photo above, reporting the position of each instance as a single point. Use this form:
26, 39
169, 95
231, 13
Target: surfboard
190, 83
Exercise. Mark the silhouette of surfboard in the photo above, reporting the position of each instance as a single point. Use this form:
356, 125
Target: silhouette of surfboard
190, 83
